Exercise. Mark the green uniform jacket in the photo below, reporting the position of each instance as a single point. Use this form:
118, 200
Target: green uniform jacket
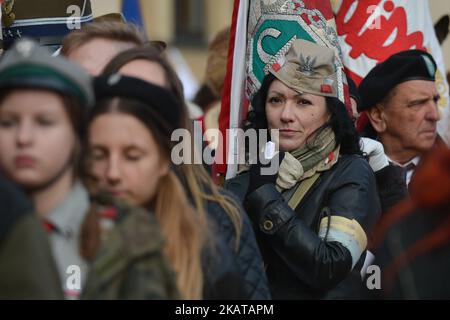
130, 263
27, 268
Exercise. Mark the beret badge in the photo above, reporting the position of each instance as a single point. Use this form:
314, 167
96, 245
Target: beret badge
430, 66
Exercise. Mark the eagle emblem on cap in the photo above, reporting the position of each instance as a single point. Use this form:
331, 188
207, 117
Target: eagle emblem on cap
307, 64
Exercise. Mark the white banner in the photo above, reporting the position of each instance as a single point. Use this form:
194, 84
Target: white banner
370, 31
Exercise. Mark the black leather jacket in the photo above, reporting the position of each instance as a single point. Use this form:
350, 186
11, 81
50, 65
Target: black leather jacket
299, 263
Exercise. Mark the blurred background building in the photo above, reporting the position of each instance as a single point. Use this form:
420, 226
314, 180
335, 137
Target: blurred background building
189, 25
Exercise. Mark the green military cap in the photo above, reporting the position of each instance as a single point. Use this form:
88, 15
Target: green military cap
28, 65
308, 68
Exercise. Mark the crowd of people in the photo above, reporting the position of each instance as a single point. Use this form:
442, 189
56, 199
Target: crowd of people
93, 207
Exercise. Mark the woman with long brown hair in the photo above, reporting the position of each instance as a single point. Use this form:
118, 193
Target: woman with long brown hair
231, 222
134, 165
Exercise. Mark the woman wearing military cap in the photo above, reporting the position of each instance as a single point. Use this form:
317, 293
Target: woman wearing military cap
313, 215
43, 104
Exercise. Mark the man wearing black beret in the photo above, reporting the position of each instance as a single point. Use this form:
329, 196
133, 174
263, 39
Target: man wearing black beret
400, 98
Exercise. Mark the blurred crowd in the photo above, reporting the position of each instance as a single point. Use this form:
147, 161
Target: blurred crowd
92, 205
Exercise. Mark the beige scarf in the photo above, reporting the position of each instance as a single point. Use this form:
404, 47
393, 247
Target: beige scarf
303, 163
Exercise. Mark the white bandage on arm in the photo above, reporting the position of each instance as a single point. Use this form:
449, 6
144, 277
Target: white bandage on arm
347, 232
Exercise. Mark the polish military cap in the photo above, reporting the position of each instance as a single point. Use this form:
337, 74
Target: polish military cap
308, 68
46, 21
400, 67
28, 65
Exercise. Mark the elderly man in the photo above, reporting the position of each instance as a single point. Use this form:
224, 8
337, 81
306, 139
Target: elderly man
400, 98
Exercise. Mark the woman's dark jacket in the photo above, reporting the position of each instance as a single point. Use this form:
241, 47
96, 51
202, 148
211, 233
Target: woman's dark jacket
247, 255
299, 263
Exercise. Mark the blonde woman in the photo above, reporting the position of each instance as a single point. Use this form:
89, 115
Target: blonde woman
231, 221
133, 164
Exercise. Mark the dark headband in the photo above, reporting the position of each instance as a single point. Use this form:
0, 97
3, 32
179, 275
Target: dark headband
159, 99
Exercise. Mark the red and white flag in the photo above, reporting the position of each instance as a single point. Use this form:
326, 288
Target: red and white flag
232, 110
370, 31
